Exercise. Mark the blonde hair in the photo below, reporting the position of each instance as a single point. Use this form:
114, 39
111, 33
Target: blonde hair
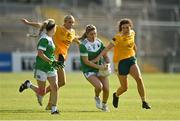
48, 25
67, 17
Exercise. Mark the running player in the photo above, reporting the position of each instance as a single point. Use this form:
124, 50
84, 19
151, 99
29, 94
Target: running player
64, 36
124, 54
45, 66
90, 47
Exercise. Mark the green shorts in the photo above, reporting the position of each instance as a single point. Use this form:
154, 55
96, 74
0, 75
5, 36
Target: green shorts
125, 65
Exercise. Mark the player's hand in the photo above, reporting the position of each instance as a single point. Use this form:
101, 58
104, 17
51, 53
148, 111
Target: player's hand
106, 72
76, 40
108, 65
95, 59
61, 64
24, 20
57, 65
103, 67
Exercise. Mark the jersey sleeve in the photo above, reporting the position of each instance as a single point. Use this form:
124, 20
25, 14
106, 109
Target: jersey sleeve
83, 50
114, 40
102, 45
42, 45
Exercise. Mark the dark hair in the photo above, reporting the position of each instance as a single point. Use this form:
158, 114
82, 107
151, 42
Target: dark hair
89, 28
125, 21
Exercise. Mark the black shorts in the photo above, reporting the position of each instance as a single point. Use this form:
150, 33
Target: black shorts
61, 58
125, 65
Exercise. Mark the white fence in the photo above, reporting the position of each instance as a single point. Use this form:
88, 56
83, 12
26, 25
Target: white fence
24, 61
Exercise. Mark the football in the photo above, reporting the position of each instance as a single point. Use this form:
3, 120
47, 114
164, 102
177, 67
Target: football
105, 72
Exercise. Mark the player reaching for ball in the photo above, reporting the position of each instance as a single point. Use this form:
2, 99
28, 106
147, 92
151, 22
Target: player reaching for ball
124, 55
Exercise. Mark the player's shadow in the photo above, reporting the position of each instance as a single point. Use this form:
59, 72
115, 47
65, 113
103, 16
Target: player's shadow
22, 111
41, 111
81, 111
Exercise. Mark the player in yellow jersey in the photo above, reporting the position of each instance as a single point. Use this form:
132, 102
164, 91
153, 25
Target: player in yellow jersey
124, 55
64, 36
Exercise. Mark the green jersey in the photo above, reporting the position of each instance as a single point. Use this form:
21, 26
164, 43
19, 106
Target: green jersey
91, 50
47, 46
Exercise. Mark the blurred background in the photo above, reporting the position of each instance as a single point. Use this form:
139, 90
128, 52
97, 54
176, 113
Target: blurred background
156, 23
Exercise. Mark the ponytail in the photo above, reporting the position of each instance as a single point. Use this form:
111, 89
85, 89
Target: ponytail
47, 24
83, 36
43, 27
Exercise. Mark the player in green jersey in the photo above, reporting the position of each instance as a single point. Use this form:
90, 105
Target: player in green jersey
89, 48
45, 66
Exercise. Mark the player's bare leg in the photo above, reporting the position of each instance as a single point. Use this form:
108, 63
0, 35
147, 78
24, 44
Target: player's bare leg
97, 88
105, 83
136, 74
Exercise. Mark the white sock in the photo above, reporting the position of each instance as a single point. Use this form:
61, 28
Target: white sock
97, 97
29, 85
53, 108
103, 103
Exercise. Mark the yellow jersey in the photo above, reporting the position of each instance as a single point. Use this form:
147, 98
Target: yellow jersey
62, 40
123, 46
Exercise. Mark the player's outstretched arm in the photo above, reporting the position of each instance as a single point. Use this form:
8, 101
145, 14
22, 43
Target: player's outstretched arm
77, 41
103, 52
31, 23
106, 58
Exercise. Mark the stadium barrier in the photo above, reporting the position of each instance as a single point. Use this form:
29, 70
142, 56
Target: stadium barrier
24, 61
5, 62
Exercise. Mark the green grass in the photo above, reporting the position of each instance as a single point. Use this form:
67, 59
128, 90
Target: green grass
76, 100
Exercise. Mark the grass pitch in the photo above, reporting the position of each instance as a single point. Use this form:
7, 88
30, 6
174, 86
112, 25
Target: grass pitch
76, 99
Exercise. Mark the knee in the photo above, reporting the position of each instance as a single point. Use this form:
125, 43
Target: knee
139, 80
124, 89
99, 88
41, 91
60, 84
106, 89
61, 78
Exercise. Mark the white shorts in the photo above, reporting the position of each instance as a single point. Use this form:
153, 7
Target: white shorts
42, 76
88, 74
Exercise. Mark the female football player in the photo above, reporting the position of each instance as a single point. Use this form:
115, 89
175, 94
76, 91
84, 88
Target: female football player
45, 66
89, 48
62, 38
124, 54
